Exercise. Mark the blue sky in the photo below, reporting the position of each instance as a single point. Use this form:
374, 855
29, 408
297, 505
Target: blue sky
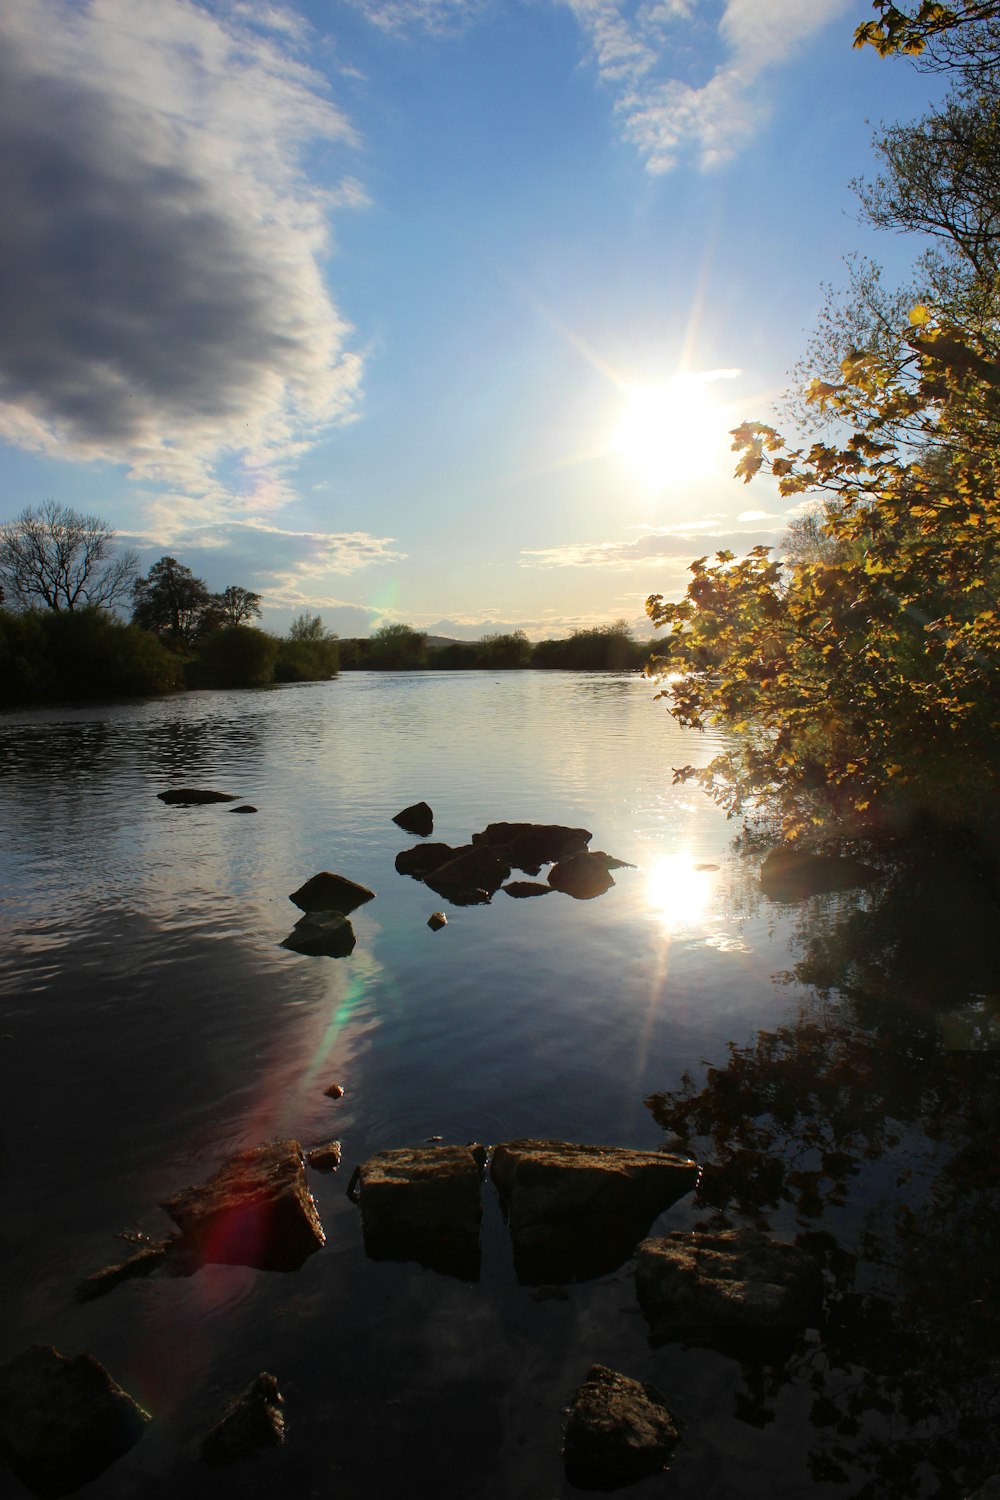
379, 307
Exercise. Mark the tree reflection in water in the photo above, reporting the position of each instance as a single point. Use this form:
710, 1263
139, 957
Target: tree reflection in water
868, 1128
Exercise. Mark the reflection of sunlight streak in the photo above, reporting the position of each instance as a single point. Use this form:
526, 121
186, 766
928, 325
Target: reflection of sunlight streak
678, 893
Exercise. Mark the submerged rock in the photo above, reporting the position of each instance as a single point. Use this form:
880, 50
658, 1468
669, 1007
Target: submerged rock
583, 876
578, 1211
324, 1158
63, 1421
618, 1431
246, 807
143, 1263
423, 1204
189, 796
418, 819
331, 893
470, 876
421, 859
254, 1421
521, 889
793, 874
734, 1278
322, 934
528, 846
256, 1210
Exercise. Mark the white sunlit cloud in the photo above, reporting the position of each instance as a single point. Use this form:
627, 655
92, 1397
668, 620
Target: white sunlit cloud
161, 291
686, 540
663, 115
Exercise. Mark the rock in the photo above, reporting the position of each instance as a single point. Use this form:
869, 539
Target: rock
324, 1158
470, 877
246, 807
583, 876
793, 874
256, 1210
143, 1263
578, 1211
618, 1431
423, 1204
437, 920
734, 1278
528, 846
63, 1421
421, 859
252, 1422
990, 1490
418, 819
326, 892
322, 933
335, 1091
189, 796
520, 889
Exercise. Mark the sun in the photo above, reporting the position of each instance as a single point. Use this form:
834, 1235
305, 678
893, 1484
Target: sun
674, 430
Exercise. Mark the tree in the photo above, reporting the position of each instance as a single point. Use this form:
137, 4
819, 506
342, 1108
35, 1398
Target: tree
57, 557
505, 651
307, 627
170, 601
235, 606
397, 648
913, 32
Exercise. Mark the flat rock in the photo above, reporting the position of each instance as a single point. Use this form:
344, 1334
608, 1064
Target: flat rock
735, 1278
522, 889
324, 1158
528, 846
251, 1423
789, 874
326, 934
190, 796
423, 1203
472, 870
256, 1210
582, 876
617, 1431
326, 892
143, 1263
418, 819
577, 1211
63, 1421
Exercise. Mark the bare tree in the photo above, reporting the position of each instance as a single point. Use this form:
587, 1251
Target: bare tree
57, 557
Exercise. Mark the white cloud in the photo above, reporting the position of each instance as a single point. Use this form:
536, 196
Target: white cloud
420, 15
687, 540
161, 294
664, 114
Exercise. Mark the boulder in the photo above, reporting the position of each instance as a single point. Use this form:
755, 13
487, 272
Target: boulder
326, 892
189, 796
418, 819
322, 933
729, 1279
256, 1210
423, 1204
617, 1431
583, 876
421, 859
63, 1421
578, 1211
522, 889
470, 876
528, 846
793, 874
324, 1158
436, 921
254, 1421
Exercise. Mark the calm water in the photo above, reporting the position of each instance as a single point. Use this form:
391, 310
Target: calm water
152, 1024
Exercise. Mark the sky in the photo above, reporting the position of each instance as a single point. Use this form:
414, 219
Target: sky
435, 311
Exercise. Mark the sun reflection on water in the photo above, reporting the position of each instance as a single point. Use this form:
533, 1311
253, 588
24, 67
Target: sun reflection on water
679, 890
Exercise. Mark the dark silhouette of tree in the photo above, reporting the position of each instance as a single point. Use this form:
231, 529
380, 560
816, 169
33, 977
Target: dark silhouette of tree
397, 648
235, 606
170, 601
57, 557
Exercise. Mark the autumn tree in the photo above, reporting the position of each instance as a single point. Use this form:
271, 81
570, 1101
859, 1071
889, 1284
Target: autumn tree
57, 557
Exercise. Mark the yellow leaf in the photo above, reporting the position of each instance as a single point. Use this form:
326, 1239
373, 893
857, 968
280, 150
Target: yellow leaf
919, 315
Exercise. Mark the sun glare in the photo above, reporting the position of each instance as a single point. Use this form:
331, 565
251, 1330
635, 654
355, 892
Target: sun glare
678, 891
673, 430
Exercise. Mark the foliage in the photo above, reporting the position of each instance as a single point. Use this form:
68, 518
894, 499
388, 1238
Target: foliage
599, 648
86, 653
234, 606
57, 557
170, 601
307, 660
236, 656
910, 31
397, 648
307, 627
504, 652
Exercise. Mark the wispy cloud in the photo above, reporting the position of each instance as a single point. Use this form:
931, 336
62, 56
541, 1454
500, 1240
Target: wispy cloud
639, 52
161, 292
708, 534
420, 15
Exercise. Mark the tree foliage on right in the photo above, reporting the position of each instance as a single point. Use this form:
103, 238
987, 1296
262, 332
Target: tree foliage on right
858, 677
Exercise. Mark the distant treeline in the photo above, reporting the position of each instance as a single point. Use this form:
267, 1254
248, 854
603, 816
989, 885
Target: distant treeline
400, 648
